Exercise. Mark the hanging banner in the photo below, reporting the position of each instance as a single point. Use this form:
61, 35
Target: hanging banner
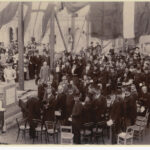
142, 19
106, 19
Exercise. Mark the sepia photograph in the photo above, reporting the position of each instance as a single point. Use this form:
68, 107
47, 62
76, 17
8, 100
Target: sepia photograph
75, 73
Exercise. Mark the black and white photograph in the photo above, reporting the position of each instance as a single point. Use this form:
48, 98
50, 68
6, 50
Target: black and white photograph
75, 73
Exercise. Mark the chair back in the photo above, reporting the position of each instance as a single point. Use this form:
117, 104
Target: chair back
147, 114
88, 126
101, 124
65, 129
21, 122
66, 135
141, 123
49, 125
130, 131
18, 123
57, 113
37, 123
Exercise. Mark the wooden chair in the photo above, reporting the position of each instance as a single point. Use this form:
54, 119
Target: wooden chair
139, 127
143, 117
126, 137
66, 135
98, 131
39, 128
51, 131
87, 132
57, 120
22, 127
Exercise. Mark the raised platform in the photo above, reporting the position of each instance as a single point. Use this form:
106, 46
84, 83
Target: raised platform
10, 95
14, 111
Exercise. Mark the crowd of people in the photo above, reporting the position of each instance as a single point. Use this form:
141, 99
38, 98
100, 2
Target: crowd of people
84, 87
9, 59
91, 87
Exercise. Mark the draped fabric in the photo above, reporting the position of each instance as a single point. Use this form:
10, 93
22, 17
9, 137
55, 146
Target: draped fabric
142, 19
128, 20
106, 19
46, 18
8, 13
73, 7
28, 15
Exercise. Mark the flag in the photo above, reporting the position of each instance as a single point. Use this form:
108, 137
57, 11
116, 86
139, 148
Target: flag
142, 19
8, 13
106, 19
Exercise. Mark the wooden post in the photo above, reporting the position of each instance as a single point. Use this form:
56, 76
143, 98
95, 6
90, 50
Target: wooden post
73, 29
52, 38
87, 32
21, 47
61, 32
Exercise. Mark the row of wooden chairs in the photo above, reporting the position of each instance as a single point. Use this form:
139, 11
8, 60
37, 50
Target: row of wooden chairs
134, 132
91, 132
48, 129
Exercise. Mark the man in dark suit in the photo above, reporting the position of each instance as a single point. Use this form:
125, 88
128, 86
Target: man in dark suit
77, 115
38, 64
116, 114
100, 105
61, 102
88, 115
69, 101
145, 98
31, 65
34, 112
129, 107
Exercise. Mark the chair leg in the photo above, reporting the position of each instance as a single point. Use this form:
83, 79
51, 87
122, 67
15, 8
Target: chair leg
18, 135
132, 141
41, 136
24, 134
53, 138
35, 137
47, 137
57, 137
103, 138
125, 142
91, 139
33, 140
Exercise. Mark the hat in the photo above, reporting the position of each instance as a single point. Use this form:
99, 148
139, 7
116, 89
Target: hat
77, 94
9, 63
64, 78
70, 87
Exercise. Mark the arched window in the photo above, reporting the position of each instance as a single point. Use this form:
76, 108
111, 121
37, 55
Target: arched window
10, 34
17, 33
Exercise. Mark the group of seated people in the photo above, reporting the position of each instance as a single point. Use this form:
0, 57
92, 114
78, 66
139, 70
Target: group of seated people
91, 87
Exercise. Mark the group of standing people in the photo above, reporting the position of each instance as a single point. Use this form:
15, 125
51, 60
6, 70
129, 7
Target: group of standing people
87, 87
